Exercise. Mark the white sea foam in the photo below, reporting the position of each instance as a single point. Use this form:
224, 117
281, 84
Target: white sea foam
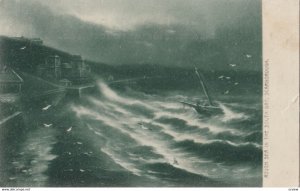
110, 122
121, 161
113, 96
179, 136
144, 138
37, 148
119, 112
191, 119
231, 115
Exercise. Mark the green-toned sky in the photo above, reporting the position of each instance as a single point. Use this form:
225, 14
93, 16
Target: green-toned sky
212, 34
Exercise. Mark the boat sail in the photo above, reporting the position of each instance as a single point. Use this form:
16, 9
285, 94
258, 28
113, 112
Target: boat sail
207, 107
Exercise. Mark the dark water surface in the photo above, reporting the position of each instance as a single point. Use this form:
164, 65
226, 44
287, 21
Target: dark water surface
129, 138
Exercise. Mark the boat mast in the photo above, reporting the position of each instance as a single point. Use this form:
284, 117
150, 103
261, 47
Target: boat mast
201, 80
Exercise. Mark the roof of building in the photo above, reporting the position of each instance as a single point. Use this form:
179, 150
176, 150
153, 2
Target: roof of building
77, 58
9, 75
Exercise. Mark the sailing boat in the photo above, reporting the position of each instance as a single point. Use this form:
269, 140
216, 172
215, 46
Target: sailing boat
208, 107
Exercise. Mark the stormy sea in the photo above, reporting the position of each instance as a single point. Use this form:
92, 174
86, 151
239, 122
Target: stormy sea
130, 138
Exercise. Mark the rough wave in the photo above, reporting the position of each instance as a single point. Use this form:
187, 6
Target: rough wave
142, 132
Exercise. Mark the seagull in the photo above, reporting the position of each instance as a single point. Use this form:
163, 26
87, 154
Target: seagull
47, 125
47, 107
226, 92
81, 170
236, 83
23, 48
68, 130
248, 55
79, 143
228, 78
221, 77
232, 65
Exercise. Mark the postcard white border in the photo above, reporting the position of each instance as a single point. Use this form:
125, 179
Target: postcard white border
280, 93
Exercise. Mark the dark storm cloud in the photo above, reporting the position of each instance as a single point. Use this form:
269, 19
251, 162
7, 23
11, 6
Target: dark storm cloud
214, 33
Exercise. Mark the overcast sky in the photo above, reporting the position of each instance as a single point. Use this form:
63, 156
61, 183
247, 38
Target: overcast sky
62, 23
126, 14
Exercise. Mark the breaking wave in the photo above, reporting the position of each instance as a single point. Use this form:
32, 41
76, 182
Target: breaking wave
140, 133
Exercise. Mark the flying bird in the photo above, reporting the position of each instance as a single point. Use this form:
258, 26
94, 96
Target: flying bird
232, 65
86, 153
248, 55
47, 125
46, 108
68, 130
23, 48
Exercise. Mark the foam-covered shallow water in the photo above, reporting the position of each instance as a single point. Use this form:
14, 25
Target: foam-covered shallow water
128, 138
